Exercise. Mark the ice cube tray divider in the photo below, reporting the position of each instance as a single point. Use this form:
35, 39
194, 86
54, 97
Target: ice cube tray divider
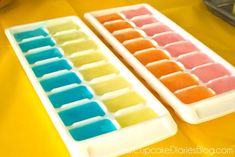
144, 131
197, 112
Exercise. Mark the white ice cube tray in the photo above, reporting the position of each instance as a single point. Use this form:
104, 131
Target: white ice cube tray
75, 89
194, 112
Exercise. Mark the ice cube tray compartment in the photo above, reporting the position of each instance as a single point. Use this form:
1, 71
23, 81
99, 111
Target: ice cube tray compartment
173, 62
84, 87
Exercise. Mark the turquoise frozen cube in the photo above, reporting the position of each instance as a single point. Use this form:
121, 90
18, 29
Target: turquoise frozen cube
36, 43
42, 55
93, 129
30, 34
60, 80
81, 112
70, 95
50, 67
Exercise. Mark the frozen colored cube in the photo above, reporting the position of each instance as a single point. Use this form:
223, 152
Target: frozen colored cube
178, 81
194, 94
162, 68
30, 34
151, 55
153, 29
50, 67
71, 36
77, 93
210, 72
110, 85
194, 59
61, 27
81, 112
87, 58
100, 70
124, 100
60, 80
79, 46
92, 129
139, 22
138, 44
109, 17
43, 55
37, 43
117, 25
136, 12
136, 116
181, 48
167, 38
127, 35
223, 84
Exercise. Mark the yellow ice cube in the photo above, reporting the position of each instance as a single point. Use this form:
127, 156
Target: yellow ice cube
136, 116
62, 38
79, 46
88, 58
123, 101
110, 85
98, 71
69, 25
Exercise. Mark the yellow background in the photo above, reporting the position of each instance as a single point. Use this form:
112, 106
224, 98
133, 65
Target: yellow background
25, 128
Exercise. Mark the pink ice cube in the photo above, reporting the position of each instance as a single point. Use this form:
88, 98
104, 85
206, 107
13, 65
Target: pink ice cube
210, 72
195, 59
180, 48
136, 12
163, 39
157, 28
223, 85
144, 20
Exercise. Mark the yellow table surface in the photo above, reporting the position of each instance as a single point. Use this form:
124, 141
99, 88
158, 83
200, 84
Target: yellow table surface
25, 128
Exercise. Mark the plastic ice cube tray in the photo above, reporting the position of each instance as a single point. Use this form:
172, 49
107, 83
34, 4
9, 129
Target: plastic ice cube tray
98, 107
